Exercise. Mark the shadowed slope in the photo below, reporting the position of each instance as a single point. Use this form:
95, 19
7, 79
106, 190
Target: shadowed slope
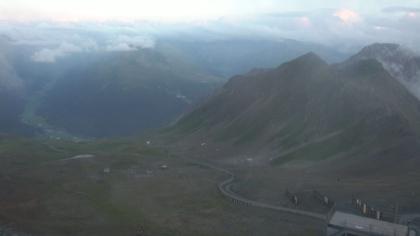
308, 105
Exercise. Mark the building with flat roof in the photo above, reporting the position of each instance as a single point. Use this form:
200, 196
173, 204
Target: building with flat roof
344, 224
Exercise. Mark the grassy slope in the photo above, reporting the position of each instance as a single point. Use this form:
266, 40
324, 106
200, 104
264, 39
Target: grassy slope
294, 108
50, 197
350, 130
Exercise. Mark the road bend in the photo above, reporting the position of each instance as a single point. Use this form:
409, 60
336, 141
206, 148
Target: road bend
225, 187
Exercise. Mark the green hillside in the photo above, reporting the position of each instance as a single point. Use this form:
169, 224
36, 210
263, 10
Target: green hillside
307, 107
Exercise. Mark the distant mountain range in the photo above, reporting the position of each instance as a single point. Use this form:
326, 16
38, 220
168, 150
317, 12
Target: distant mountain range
107, 94
11, 96
123, 94
307, 108
226, 58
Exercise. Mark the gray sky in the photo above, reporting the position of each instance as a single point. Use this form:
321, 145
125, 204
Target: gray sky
178, 9
62, 27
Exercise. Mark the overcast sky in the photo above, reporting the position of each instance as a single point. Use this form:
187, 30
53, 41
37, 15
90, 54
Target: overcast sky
178, 9
62, 27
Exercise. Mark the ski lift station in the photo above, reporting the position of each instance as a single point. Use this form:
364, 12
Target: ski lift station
344, 224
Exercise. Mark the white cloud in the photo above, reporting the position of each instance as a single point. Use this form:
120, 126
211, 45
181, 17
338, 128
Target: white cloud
85, 44
342, 27
121, 47
348, 16
57, 40
51, 55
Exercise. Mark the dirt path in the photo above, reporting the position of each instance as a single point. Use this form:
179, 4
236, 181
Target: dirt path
225, 188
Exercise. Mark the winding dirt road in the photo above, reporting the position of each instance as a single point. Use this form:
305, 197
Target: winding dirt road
225, 188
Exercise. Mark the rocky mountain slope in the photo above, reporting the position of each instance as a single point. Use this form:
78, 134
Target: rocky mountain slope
307, 105
400, 62
118, 93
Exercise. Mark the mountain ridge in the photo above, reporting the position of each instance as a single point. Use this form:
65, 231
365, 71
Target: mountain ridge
400, 62
302, 101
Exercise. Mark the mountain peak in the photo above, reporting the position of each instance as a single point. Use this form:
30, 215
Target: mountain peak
310, 56
379, 50
308, 60
382, 46
302, 100
399, 61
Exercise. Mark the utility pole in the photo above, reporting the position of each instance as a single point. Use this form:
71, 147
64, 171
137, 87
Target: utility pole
396, 212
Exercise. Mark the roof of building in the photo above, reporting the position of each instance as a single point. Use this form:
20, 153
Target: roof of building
364, 224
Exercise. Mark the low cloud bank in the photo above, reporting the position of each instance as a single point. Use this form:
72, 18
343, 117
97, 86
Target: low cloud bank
120, 43
344, 29
126, 43
51, 55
